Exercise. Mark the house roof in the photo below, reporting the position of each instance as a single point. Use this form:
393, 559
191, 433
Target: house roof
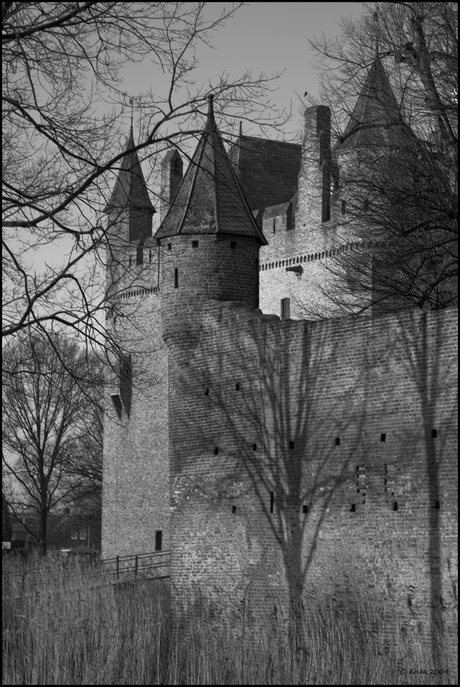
130, 187
267, 170
376, 120
210, 199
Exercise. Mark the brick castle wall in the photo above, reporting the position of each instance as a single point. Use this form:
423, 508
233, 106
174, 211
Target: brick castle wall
320, 453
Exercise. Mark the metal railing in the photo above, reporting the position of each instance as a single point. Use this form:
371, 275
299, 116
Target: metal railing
147, 565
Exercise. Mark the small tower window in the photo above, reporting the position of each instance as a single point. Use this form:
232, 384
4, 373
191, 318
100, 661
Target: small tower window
274, 225
139, 255
169, 246
176, 278
194, 244
158, 540
233, 244
150, 255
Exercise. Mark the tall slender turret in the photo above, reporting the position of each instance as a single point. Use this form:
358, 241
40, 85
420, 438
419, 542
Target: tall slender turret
130, 214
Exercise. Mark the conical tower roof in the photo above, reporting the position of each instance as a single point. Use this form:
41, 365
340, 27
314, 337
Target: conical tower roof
376, 120
130, 188
209, 199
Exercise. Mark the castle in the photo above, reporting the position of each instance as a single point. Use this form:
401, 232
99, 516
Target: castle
268, 452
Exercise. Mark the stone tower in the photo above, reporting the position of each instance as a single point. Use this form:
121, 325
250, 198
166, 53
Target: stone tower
135, 459
129, 215
209, 241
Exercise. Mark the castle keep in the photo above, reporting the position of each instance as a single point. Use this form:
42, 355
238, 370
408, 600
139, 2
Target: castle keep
268, 452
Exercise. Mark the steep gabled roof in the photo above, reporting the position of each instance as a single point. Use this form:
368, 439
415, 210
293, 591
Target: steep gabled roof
210, 199
267, 170
130, 188
376, 120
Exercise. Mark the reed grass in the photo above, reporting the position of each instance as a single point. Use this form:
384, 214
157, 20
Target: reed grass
65, 623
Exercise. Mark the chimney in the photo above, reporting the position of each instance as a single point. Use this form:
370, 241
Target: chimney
171, 176
315, 173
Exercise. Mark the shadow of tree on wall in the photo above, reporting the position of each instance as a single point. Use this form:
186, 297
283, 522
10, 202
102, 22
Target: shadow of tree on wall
279, 425
251, 442
431, 364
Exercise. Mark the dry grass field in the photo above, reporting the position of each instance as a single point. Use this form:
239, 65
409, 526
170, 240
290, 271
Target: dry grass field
64, 623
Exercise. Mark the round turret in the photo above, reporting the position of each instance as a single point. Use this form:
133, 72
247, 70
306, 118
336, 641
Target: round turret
205, 267
209, 239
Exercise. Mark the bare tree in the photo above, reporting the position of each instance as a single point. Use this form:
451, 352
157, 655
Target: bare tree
395, 168
84, 462
63, 109
45, 412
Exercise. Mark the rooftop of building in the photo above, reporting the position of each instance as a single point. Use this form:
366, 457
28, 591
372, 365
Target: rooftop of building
267, 170
376, 120
130, 187
210, 199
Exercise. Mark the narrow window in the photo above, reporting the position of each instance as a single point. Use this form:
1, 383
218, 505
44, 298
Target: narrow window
344, 207
169, 246
291, 444
206, 393
254, 447
305, 509
126, 382
129, 261
383, 437
82, 535
272, 501
434, 433
285, 308
216, 451
116, 400
176, 278
237, 386
233, 509
436, 504
139, 255
395, 505
194, 244
73, 534
352, 507
274, 225
158, 540
233, 244
337, 441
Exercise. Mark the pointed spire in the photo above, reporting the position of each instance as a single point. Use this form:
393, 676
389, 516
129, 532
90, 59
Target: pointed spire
131, 102
376, 119
130, 188
377, 29
211, 121
210, 199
